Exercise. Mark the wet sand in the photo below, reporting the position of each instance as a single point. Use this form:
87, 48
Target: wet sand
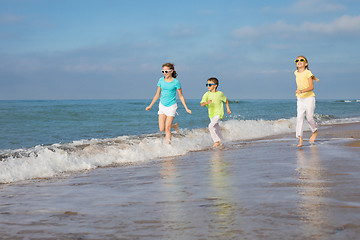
263, 189
351, 131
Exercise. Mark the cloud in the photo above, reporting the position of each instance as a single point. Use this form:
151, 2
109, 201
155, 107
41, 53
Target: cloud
105, 60
9, 36
181, 32
21, 65
345, 25
90, 67
316, 6
206, 12
279, 27
9, 18
306, 7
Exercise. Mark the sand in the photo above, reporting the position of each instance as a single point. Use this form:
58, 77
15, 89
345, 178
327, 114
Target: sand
263, 189
351, 131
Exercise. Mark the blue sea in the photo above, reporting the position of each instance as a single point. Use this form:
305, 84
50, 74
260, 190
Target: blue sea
42, 139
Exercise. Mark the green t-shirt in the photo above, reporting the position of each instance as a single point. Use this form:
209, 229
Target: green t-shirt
216, 107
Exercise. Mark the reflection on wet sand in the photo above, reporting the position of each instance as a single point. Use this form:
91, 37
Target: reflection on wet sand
225, 213
313, 192
168, 170
212, 207
172, 214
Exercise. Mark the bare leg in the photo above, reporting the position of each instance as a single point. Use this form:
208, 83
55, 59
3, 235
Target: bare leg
176, 127
165, 124
168, 125
162, 120
313, 137
300, 142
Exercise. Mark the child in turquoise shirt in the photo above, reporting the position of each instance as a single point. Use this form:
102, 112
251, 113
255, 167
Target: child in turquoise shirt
213, 100
166, 89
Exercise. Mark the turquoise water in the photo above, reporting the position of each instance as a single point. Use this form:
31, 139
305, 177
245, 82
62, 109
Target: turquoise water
26, 124
43, 139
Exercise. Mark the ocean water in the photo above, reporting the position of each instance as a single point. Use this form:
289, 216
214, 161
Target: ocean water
43, 139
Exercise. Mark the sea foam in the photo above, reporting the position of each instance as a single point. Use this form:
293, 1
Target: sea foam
54, 160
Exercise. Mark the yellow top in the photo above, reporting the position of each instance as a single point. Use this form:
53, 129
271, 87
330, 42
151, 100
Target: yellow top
216, 107
302, 82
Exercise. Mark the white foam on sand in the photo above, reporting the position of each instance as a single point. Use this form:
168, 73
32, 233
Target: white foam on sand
56, 159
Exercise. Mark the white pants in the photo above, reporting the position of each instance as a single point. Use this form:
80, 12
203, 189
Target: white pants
305, 106
215, 129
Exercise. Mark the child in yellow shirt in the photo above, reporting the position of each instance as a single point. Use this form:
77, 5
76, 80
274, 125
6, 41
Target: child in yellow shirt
305, 99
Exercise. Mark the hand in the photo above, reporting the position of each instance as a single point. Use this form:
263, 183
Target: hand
189, 111
298, 92
147, 108
228, 111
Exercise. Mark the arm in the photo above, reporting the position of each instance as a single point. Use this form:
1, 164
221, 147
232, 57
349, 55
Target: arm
182, 99
227, 107
308, 89
206, 103
156, 97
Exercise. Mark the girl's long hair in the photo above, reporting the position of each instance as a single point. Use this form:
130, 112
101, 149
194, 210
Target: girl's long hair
171, 66
307, 67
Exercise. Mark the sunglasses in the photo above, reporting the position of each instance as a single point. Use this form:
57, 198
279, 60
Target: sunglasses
210, 84
166, 71
300, 60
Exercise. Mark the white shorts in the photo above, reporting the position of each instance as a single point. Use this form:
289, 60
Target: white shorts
168, 111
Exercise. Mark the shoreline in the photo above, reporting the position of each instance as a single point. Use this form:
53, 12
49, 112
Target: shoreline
265, 190
342, 130
349, 130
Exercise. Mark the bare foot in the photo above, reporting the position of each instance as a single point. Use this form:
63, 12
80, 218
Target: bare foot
313, 137
300, 142
216, 144
176, 127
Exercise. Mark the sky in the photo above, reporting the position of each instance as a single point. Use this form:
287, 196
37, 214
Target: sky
114, 49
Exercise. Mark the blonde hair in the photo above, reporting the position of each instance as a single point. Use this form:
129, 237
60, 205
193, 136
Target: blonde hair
307, 67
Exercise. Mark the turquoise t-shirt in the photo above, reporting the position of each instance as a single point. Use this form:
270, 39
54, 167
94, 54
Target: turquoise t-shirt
168, 91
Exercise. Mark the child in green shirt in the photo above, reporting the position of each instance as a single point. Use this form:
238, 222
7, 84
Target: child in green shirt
213, 100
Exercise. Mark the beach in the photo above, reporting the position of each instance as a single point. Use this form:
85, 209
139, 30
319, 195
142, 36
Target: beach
259, 189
